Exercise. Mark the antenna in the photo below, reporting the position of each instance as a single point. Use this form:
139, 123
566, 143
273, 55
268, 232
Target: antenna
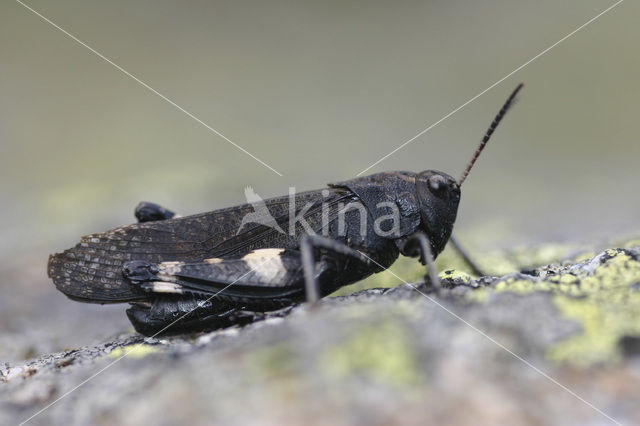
490, 131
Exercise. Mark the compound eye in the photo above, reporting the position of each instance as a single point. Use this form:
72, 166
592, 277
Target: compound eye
437, 184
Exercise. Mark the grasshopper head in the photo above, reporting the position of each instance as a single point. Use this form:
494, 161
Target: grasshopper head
438, 198
439, 193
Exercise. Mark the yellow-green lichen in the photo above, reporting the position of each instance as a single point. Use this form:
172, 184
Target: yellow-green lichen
381, 352
521, 285
495, 262
138, 350
280, 364
272, 361
456, 277
596, 343
512, 284
607, 308
410, 270
410, 309
598, 296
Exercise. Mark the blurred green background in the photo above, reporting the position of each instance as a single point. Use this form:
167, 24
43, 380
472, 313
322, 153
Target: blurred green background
319, 91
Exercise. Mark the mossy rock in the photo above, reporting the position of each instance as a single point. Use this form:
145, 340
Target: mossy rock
551, 336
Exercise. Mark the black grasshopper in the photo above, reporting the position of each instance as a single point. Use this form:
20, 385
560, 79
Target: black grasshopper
214, 269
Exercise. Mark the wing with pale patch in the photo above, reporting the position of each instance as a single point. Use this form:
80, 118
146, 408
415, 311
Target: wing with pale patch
266, 276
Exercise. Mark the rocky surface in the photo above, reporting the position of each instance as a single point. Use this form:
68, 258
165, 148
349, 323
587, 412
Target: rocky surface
558, 344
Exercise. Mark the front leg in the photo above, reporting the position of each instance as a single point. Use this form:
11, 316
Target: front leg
308, 244
419, 242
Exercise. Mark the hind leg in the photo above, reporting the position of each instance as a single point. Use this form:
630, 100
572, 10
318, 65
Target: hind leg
175, 315
147, 212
